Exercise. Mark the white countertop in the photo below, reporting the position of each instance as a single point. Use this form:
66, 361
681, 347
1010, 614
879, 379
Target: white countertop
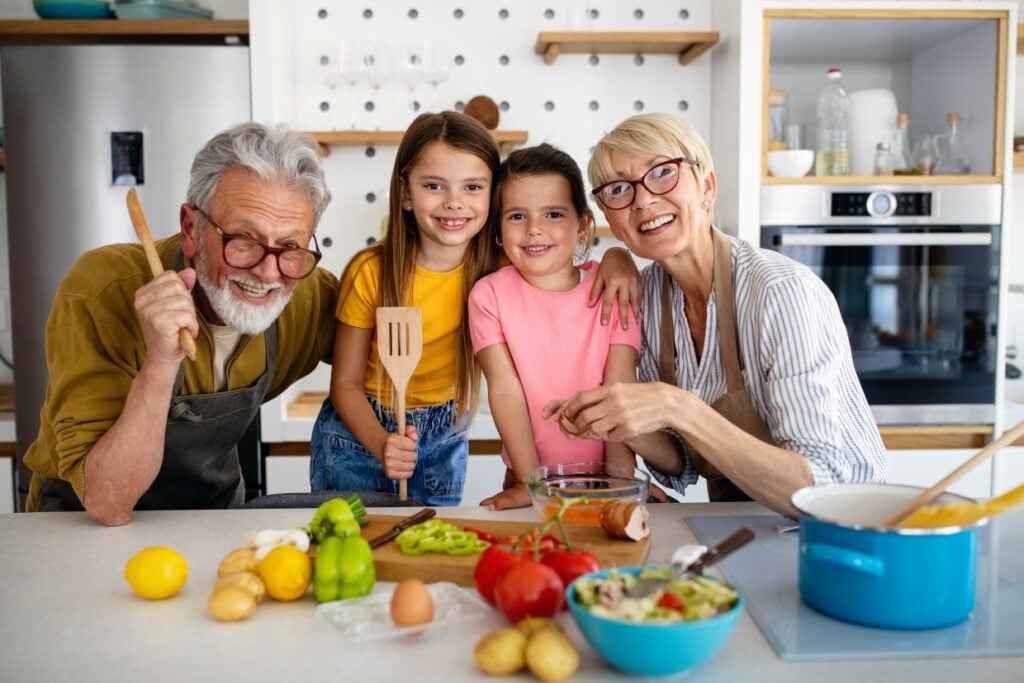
67, 614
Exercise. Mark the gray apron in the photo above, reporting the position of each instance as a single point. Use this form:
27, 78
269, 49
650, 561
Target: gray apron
200, 467
734, 405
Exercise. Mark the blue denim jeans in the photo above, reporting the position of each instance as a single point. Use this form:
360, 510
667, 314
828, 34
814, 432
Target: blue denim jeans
340, 462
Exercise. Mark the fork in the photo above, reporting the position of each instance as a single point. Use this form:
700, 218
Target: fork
647, 586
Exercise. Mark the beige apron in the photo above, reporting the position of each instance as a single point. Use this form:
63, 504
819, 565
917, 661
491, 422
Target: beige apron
734, 405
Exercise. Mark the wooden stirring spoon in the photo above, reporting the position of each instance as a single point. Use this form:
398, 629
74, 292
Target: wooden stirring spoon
399, 346
142, 230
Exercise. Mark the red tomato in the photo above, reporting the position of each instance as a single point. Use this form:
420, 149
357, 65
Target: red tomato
529, 589
489, 567
570, 564
671, 600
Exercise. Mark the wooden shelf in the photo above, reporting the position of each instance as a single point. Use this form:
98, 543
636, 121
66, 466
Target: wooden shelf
937, 436
885, 180
1018, 160
688, 46
123, 32
3, 159
506, 139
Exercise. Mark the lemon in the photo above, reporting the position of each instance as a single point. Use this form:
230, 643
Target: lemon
156, 573
286, 572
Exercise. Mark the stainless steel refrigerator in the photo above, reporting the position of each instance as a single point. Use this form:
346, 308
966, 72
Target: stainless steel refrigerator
81, 125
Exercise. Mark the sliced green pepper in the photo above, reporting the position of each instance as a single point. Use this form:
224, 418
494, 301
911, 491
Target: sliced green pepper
343, 569
437, 536
335, 517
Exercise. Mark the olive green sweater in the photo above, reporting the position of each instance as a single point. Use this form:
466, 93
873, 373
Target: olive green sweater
95, 348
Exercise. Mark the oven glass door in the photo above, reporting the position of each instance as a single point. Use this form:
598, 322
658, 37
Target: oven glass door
919, 305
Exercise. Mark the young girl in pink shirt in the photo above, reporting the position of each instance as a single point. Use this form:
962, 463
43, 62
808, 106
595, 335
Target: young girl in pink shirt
533, 333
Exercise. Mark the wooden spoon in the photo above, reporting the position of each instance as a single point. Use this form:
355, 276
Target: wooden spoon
142, 230
400, 345
931, 494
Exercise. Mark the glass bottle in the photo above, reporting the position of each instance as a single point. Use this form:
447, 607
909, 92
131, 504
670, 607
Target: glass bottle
953, 155
833, 155
884, 161
778, 118
902, 160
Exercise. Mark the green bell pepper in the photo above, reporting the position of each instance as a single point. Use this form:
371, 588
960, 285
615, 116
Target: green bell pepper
343, 569
335, 517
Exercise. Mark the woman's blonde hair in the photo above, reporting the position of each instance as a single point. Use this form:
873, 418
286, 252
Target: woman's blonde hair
650, 134
397, 250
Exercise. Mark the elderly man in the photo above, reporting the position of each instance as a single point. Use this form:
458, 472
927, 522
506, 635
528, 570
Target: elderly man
128, 422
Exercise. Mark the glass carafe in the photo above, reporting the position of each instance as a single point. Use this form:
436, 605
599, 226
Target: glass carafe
902, 160
952, 153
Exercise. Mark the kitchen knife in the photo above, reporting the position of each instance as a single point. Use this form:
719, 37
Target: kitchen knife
421, 516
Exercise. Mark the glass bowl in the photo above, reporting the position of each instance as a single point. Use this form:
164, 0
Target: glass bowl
600, 483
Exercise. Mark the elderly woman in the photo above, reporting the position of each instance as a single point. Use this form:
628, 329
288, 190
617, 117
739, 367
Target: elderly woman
757, 389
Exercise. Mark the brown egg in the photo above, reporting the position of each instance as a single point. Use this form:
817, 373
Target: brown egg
411, 603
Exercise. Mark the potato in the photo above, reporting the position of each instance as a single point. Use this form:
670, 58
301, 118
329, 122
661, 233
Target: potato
239, 560
531, 625
245, 580
501, 652
551, 656
231, 603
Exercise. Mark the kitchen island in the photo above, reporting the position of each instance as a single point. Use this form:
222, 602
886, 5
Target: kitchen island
66, 613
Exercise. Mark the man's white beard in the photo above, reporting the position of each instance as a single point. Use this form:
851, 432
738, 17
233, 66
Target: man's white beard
247, 318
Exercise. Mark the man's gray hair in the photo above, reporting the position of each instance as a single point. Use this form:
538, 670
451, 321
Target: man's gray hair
269, 152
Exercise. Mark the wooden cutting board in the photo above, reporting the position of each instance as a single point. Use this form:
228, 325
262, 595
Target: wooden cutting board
392, 565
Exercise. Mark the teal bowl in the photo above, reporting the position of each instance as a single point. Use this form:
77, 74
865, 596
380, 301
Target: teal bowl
652, 649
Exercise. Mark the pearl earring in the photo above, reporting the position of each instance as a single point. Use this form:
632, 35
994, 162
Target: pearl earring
706, 204
407, 207
497, 240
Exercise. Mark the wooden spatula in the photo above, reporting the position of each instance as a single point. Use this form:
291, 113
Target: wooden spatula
400, 345
931, 494
142, 230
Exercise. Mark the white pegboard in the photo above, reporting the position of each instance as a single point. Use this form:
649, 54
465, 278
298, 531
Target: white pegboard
569, 104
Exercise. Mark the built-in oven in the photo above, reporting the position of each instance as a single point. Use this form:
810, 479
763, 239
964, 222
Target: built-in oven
915, 270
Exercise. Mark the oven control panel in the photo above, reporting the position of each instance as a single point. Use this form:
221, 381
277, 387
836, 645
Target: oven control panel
881, 204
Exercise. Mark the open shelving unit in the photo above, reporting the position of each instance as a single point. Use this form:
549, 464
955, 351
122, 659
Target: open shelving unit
506, 139
688, 46
123, 32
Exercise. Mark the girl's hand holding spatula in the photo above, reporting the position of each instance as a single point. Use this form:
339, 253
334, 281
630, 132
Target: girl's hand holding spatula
400, 454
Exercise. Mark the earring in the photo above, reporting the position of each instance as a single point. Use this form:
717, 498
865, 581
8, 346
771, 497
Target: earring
497, 240
706, 204
407, 207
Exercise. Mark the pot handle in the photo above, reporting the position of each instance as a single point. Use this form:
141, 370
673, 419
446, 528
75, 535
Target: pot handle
851, 559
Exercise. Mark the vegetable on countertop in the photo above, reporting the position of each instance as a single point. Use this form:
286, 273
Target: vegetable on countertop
537, 644
437, 536
343, 569
266, 540
338, 517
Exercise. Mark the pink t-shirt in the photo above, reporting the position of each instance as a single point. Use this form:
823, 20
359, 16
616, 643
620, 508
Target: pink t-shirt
557, 343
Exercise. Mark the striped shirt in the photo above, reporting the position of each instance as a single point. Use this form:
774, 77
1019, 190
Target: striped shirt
798, 369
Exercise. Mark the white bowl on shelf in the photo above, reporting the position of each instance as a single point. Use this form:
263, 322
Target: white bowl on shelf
790, 163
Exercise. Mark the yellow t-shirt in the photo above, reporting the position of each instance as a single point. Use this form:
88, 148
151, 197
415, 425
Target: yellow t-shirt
439, 296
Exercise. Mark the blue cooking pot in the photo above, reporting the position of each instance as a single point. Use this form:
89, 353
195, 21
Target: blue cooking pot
853, 570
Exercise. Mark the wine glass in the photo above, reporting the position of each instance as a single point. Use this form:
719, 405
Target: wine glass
409, 65
349, 68
380, 71
436, 67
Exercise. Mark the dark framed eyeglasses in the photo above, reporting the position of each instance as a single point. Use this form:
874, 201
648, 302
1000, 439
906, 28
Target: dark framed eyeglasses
240, 251
659, 179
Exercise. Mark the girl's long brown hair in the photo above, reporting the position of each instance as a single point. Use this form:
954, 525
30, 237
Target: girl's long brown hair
398, 248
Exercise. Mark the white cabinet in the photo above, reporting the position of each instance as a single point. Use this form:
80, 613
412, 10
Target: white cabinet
926, 467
